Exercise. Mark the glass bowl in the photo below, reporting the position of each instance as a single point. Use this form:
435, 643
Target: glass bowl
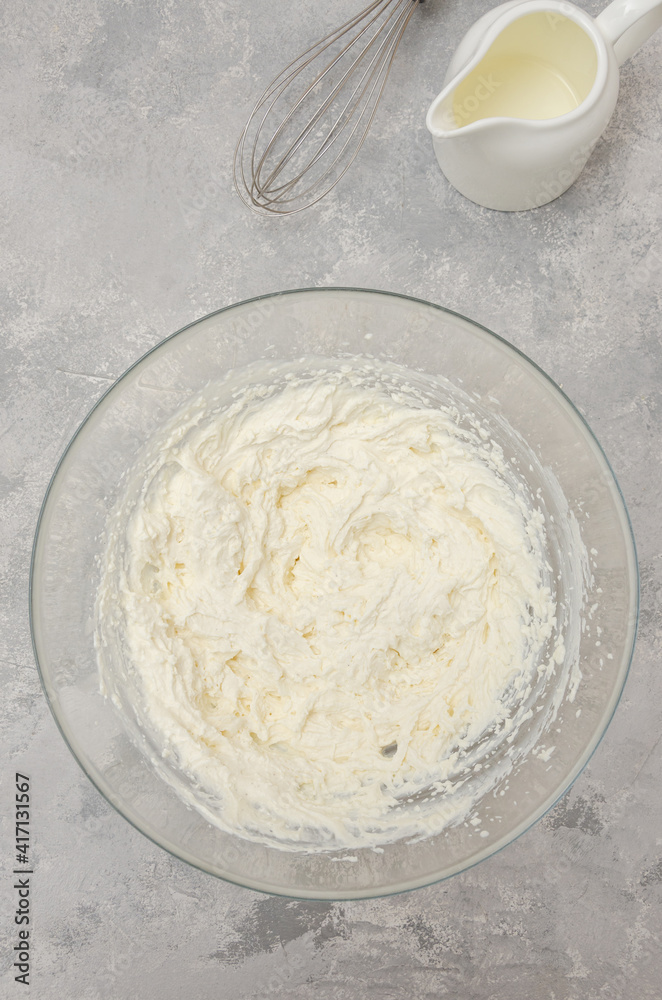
554, 452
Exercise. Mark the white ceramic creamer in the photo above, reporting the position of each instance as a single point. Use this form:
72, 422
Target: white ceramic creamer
528, 93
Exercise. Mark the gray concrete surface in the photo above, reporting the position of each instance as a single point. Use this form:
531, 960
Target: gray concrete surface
119, 119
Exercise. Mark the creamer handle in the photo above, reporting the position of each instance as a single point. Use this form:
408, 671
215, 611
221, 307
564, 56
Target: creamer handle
626, 24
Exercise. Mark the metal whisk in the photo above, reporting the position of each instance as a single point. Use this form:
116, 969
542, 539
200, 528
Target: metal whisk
311, 121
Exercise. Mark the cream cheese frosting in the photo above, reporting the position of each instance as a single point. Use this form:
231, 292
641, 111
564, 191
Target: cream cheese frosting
324, 595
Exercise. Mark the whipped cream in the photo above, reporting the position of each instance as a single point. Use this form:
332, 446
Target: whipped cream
322, 598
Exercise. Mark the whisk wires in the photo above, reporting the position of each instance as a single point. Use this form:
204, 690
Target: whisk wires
311, 121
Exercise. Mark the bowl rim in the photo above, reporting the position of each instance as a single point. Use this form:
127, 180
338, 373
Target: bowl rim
496, 847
